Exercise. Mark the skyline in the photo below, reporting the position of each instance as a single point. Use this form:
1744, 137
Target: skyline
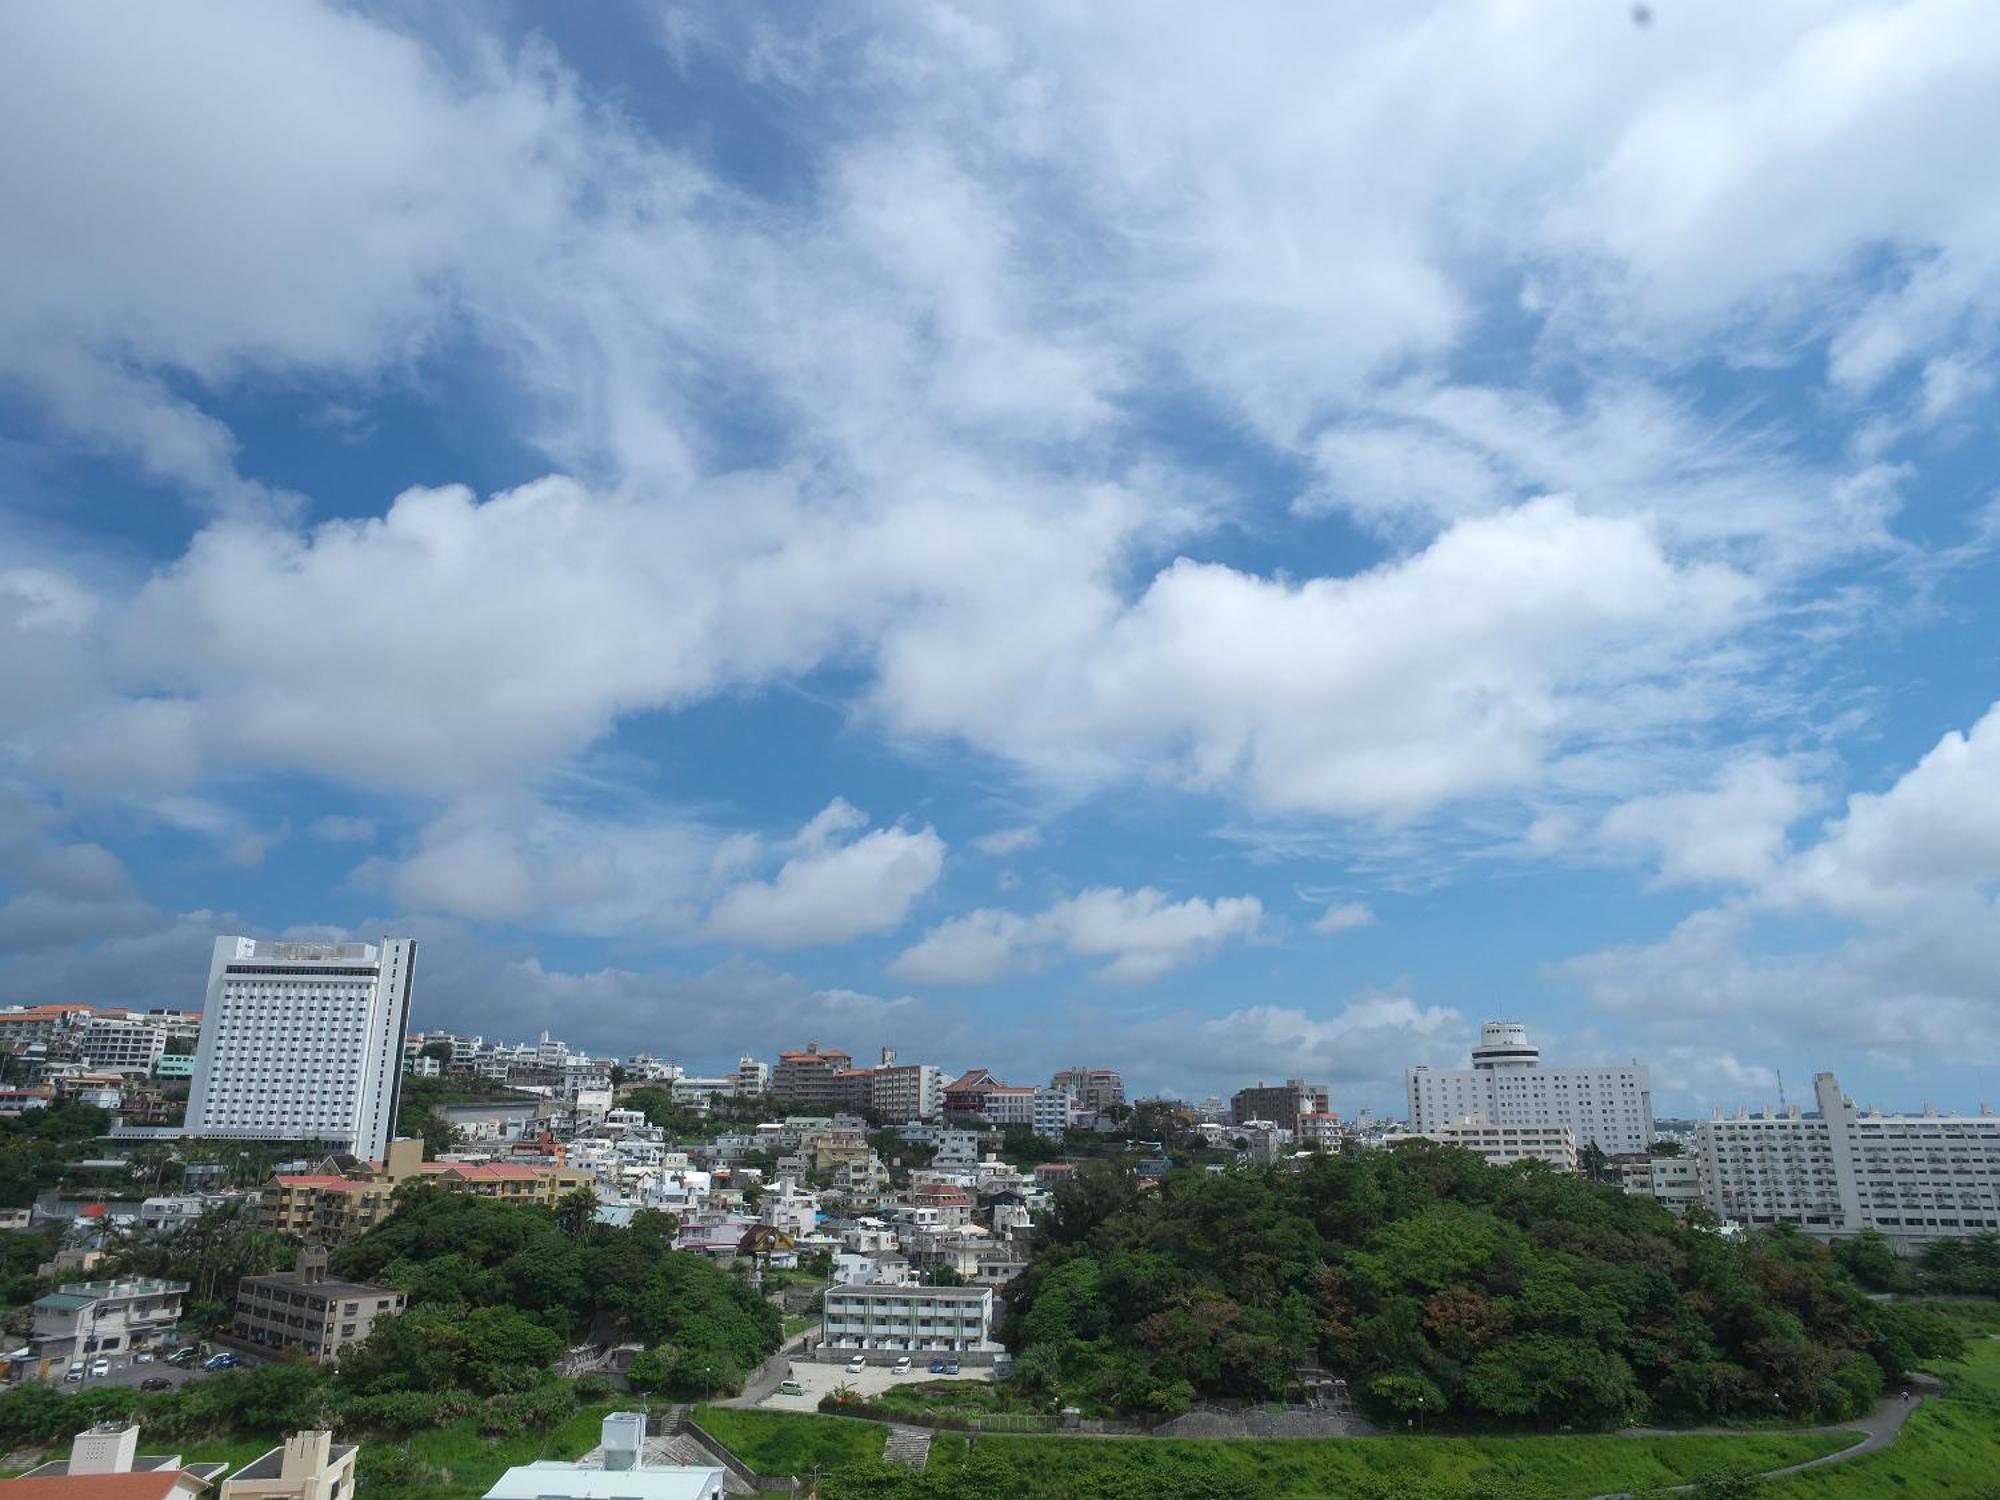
1239, 547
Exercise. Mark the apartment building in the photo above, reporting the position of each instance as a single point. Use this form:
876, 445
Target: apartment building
1280, 1104
954, 1318
306, 1466
1912, 1177
1054, 1110
83, 1318
303, 1041
304, 1309
342, 1200
901, 1092
811, 1077
1503, 1145
110, 1042
1610, 1108
1096, 1089
1672, 1181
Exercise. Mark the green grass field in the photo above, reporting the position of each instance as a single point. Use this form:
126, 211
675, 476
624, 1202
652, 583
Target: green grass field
1950, 1447
1039, 1468
787, 1442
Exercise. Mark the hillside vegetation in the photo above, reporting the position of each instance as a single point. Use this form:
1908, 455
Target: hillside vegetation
1449, 1294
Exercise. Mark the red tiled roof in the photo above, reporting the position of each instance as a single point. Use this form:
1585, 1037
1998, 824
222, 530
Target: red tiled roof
318, 1179
148, 1485
93, 1211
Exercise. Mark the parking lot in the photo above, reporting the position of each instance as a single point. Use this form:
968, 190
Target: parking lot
819, 1379
124, 1372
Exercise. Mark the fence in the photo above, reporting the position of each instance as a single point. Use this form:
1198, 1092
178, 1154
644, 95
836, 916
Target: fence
983, 1422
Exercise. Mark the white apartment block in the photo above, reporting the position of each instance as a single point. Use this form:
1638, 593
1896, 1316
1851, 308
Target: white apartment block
1673, 1181
1503, 1145
109, 1042
1609, 1108
1913, 1177
901, 1092
303, 1041
955, 1318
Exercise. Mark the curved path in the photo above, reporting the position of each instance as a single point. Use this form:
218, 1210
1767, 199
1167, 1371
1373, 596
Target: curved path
1878, 1429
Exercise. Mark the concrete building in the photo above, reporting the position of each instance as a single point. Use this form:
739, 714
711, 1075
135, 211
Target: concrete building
109, 1042
1280, 1104
811, 1077
1096, 1089
621, 1469
1609, 1108
83, 1318
910, 1318
1913, 1177
306, 1466
1054, 1111
105, 1463
1503, 1145
302, 1309
303, 1041
901, 1092
340, 1201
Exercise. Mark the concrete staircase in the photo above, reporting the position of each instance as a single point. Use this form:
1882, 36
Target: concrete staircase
908, 1445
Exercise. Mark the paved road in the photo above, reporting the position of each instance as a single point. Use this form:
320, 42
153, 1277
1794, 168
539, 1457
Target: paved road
765, 1381
1878, 1429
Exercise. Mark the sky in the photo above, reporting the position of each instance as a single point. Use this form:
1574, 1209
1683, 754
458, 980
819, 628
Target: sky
1225, 542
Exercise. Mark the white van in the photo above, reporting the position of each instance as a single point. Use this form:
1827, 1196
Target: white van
856, 1365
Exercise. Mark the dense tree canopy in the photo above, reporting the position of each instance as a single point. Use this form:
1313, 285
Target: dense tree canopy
487, 1278
1442, 1288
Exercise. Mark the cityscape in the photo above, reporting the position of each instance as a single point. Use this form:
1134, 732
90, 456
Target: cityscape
962, 751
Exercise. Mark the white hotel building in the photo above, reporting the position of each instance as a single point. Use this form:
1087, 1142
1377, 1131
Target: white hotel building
1609, 1108
303, 1041
1913, 1177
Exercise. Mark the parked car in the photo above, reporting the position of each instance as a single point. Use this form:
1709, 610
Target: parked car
100, 1367
142, 1358
902, 1366
156, 1383
856, 1365
223, 1361
790, 1388
937, 1367
183, 1357
951, 1367
74, 1372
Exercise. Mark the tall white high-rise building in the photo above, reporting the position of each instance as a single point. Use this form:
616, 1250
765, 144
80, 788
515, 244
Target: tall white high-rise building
303, 1041
1609, 1108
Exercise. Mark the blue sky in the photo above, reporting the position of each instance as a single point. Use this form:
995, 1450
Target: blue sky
1227, 545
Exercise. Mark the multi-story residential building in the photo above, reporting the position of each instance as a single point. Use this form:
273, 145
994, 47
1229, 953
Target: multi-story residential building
752, 1078
109, 1042
1054, 1111
172, 1212
104, 1317
338, 1202
1912, 1177
21, 1025
306, 1466
966, 1094
1008, 1105
303, 1041
811, 1077
302, 1309
1503, 1145
953, 1318
1610, 1108
1096, 1089
1674, 1181
899, 1093
174, 1065
1280, 1104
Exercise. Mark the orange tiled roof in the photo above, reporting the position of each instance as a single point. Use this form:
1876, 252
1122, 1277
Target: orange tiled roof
151, 1484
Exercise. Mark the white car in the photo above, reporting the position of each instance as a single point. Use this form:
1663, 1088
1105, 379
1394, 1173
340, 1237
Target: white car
142, 1359
74, 1372
101, 1367
902, 1366
856, 1365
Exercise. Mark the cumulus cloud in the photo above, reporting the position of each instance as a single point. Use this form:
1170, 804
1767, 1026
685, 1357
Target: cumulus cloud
1733, 831
1143, 934
834, 888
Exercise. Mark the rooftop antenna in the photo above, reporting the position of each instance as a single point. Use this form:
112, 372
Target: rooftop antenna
1781, 1090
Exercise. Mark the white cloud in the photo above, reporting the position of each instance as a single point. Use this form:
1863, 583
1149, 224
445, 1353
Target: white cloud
1343, 916
1734, 831
338, 828
1002, 842
832, 890
1142, 933
1932, 835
